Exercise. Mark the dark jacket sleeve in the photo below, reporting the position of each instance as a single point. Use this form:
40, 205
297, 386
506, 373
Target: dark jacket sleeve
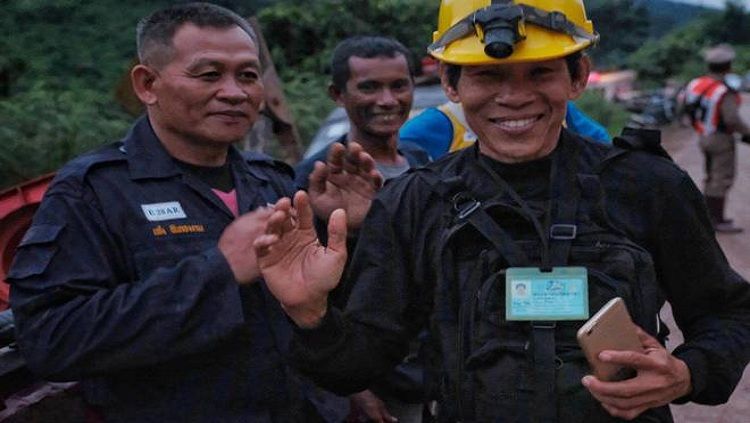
662, 209
710, 301
80, 310
388, 305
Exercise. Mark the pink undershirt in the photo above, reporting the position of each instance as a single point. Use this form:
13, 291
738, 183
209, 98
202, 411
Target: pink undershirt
229, 199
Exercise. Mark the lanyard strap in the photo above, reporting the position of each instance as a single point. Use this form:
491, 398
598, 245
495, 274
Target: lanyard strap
560, 216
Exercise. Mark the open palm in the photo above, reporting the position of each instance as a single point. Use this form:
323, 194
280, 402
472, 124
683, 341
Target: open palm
348, 180
298, 270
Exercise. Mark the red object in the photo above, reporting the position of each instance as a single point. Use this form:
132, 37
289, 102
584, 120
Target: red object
17, 207
594, 77
429, 66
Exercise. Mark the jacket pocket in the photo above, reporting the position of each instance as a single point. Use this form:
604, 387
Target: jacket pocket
35, 251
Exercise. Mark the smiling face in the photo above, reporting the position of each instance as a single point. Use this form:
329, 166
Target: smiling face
208, 95
517, 109
377, 98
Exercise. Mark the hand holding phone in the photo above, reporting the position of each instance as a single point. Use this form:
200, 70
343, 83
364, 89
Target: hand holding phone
611, 328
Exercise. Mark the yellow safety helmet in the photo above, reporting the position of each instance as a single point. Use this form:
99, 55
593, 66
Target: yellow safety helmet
475, 32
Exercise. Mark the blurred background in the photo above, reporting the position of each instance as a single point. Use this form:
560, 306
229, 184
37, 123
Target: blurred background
65, 88
64, 64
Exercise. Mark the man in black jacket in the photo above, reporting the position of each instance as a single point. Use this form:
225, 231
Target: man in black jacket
531, 202
137, 276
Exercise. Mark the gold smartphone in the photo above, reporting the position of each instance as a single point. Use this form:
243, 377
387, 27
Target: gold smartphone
611, 328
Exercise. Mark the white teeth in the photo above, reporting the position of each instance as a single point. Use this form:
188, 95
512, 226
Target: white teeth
518, 123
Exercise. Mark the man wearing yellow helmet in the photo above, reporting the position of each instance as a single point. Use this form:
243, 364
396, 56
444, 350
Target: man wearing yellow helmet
530, 203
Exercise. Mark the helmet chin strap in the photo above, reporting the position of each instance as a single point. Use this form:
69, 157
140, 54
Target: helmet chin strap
553, 21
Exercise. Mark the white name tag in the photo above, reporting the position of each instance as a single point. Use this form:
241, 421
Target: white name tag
163, 211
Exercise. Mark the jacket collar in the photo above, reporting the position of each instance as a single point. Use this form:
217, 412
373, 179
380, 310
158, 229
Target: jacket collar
147, 158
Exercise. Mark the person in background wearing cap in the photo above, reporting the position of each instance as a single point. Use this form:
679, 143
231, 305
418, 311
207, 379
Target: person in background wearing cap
716, 119
529, 202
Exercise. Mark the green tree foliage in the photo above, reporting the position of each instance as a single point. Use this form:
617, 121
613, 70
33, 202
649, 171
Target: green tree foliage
678, 54
612, 116
623, 26
43, 128
302, 34
61, 60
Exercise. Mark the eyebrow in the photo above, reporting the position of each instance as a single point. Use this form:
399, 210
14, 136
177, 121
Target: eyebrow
202, 62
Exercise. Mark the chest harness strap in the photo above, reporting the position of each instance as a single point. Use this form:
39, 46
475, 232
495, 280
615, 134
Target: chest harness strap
560, 224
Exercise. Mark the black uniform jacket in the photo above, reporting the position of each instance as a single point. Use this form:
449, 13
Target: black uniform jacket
119, 283
653, 201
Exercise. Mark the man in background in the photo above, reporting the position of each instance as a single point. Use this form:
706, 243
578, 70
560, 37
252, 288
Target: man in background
713, 108
372, 78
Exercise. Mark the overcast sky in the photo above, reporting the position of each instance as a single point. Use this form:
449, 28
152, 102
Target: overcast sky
711, 3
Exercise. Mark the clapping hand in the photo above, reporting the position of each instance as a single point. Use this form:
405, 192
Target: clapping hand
348, 180
298, 270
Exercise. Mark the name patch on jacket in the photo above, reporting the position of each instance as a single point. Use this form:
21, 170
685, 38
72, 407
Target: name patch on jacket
157, 212
178, 229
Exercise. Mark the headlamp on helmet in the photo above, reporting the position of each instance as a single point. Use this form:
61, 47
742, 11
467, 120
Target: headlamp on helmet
501, 26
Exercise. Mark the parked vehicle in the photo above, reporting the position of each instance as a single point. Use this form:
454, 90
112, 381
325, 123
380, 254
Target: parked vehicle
651, 109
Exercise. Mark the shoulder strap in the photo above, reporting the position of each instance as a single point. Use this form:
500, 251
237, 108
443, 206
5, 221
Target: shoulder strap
561, 228
565, 195
470, 210
634, 139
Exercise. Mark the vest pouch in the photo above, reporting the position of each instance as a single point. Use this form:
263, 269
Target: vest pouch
497, 366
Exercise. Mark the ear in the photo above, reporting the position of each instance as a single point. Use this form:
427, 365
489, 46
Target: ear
143, 78
450, 91
335, 94
579, 84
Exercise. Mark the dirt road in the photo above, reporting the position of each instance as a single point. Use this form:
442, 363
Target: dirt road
681, 144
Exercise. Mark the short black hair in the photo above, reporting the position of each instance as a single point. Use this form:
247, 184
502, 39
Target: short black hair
155, 32
365, 46
573, 61
720, 67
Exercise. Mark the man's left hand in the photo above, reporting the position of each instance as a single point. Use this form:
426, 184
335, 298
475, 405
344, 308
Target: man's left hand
348, 180
661, 378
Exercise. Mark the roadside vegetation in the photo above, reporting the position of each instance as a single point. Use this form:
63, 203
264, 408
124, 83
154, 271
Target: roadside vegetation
63, 62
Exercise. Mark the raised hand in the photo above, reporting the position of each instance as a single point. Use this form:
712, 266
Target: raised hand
661, 379
348, 180
236, 243
298, 270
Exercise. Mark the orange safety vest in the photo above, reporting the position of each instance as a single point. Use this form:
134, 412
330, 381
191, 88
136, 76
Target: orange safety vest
707, 93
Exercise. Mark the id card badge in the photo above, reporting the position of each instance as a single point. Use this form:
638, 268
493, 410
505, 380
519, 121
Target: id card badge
561, 294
